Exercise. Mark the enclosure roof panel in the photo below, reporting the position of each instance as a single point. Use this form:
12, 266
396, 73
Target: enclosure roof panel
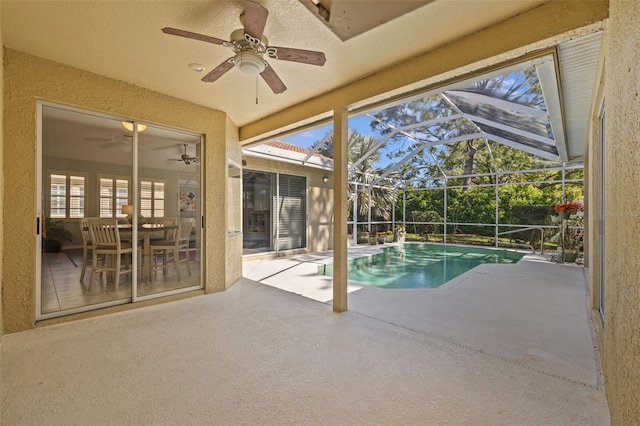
539, 106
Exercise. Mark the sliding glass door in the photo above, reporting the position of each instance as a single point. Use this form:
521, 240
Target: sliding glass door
95, 168
274, 211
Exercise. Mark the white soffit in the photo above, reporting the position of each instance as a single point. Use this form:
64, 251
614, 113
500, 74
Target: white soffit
288, 156
546, 70
578, 68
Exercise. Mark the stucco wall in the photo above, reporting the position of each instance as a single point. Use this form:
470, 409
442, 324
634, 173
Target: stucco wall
622, 215
319, 203
27, 79
234, 242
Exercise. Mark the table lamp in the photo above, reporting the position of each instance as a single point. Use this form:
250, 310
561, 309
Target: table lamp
128, 210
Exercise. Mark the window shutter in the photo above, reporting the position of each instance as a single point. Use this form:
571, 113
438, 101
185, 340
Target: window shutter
152, 195
158, 199
76, 196
122, 196
292, 211
146, 189
106, 197
58, 196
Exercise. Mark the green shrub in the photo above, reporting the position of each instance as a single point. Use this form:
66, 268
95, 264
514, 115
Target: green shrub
55, 235
424, 216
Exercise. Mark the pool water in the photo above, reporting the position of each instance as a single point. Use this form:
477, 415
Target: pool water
420, 265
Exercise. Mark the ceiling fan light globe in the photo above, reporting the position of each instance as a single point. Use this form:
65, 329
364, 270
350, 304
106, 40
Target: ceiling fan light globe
129, 126
249, 62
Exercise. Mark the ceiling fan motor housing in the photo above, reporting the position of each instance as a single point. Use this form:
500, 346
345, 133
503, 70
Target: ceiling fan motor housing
249, 52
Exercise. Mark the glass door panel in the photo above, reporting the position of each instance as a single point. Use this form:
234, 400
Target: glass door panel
258, 191
168, 210
86, 173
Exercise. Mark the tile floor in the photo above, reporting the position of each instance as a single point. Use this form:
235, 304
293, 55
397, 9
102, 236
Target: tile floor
62, 289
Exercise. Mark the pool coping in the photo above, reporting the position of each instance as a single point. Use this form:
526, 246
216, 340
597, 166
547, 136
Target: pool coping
298, 273
465, 246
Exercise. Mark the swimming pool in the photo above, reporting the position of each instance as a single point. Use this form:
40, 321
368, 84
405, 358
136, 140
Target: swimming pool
420, 265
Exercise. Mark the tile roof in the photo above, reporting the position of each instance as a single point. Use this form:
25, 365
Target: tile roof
287, 146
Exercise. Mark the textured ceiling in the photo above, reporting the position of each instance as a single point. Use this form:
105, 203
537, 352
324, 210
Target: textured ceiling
122, 40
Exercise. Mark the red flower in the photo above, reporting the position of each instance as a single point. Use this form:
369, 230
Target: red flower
572, 207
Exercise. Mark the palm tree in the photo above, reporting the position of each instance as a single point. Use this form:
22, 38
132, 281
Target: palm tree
364, 174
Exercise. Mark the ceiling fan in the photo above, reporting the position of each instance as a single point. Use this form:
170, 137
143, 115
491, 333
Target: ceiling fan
250, 46
186, 158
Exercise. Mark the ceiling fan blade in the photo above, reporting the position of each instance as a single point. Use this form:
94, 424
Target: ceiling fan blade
297, 55
218, 71
112, 144
272, 79
255, 18
195, 36
163, 148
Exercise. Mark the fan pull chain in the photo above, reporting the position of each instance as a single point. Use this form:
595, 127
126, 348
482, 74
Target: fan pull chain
256, 89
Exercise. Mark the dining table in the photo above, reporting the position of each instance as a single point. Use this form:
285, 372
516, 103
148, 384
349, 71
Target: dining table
145, 232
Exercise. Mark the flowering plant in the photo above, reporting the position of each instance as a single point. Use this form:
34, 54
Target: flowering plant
572, 207
573, 239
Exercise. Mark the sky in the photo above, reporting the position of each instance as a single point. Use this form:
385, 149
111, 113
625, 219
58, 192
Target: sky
361, 124
309, 137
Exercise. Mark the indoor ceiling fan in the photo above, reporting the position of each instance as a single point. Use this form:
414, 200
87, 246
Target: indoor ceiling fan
186, 158
114, 142
250, 46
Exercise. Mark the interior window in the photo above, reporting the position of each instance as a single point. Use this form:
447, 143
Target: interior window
114, 194
66, 195
152, 197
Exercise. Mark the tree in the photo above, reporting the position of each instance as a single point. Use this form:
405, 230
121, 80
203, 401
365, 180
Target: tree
365, 173
468, 156
480, 162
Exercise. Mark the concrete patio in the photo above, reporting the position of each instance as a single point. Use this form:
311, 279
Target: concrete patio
501, 344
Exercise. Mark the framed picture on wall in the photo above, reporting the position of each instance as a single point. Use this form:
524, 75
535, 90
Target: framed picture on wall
186, 201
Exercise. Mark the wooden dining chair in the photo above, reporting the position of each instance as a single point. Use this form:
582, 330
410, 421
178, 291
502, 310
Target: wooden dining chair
184, 238
87, 244
177, 241
168, 221
106, 242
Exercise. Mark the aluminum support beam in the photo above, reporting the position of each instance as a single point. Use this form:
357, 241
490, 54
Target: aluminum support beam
501, 103
316, 148
355, 213
402, 131
422, 147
